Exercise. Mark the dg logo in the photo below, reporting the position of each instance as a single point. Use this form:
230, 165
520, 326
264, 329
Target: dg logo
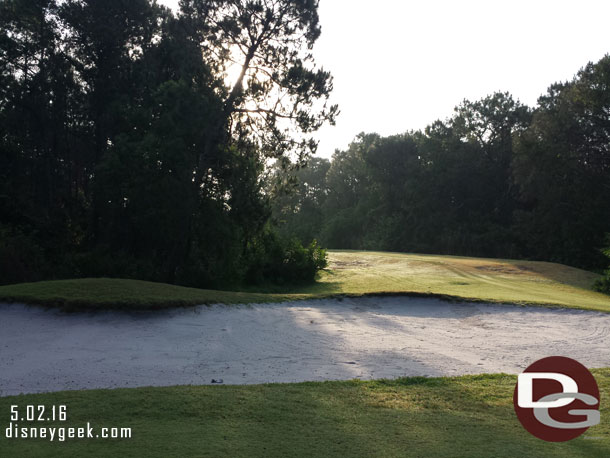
557, 399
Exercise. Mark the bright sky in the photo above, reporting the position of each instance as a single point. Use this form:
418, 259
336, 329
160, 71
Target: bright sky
399, 65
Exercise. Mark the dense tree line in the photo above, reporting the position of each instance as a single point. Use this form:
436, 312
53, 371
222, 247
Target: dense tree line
497, 179
126, 151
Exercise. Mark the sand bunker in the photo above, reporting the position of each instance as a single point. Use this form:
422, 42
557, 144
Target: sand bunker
42, 350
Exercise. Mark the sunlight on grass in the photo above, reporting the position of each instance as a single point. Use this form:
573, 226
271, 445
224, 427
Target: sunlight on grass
495, 280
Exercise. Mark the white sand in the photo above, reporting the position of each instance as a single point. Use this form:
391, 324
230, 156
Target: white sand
44, 350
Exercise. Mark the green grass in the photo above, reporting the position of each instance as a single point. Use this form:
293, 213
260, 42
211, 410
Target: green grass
350, 273
469, 416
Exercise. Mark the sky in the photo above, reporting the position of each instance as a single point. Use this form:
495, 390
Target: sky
399, 65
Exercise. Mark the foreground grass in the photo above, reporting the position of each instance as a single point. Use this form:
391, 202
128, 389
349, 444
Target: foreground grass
467, 416
350, 273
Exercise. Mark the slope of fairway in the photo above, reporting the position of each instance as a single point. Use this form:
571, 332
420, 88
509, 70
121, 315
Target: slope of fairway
349, 273
467, 416
481, 279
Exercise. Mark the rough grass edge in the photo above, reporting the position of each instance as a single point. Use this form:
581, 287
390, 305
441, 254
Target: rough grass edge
77, 305
432, 381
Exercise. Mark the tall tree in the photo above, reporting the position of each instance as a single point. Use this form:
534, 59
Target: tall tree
277, 96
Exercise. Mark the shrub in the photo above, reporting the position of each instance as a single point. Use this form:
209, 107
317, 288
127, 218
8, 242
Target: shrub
283, 261
603, 284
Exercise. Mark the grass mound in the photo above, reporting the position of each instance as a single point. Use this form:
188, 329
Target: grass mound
118, 293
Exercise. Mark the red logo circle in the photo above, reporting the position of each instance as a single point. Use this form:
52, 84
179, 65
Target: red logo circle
543, 403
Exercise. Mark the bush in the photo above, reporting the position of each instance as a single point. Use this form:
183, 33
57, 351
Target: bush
284, 261
603, 284
301, 264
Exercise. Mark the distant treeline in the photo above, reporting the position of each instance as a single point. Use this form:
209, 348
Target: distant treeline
125, 151
498, 179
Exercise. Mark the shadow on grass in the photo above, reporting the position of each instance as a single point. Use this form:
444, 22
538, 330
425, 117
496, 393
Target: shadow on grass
558, 273
318, 288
